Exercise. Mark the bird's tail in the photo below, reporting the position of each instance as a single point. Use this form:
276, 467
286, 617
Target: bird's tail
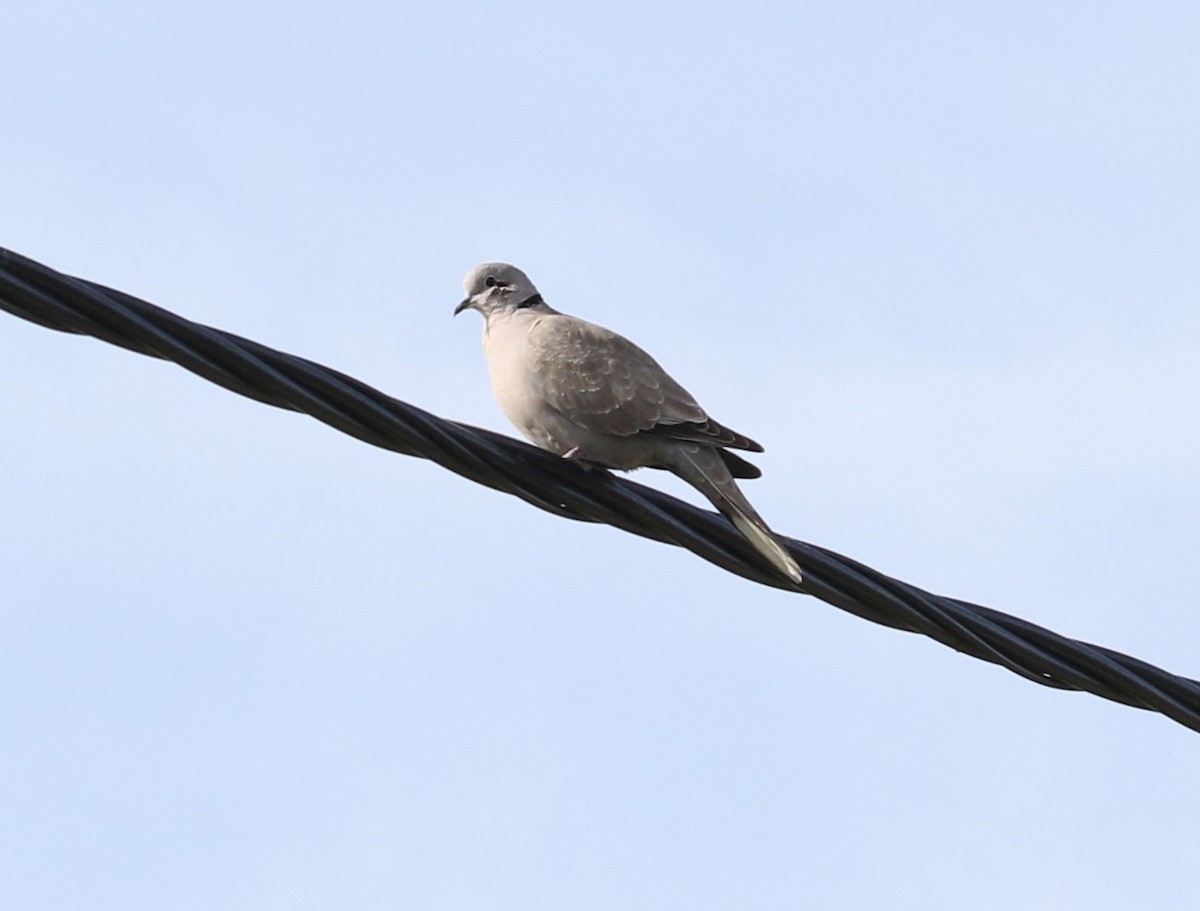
703, 468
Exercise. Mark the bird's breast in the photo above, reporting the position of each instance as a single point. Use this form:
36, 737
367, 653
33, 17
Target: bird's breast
510, 358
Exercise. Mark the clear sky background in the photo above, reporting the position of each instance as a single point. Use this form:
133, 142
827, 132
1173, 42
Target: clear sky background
940, 258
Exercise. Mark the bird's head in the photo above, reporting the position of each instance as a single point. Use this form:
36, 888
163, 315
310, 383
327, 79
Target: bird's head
497, 288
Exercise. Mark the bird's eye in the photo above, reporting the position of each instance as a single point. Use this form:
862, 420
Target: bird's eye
490, 281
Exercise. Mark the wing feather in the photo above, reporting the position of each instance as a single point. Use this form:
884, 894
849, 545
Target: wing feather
607, 384
604, 382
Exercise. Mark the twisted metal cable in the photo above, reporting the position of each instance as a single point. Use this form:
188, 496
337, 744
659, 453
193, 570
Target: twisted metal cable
37, 293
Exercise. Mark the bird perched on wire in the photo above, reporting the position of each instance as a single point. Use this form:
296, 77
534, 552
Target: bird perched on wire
585, 393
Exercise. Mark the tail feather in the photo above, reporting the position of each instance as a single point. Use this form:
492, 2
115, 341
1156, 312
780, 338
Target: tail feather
703, 468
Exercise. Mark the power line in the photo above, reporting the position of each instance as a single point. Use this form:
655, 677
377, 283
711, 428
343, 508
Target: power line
37, 293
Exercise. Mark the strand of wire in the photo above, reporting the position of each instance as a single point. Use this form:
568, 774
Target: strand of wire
61, 302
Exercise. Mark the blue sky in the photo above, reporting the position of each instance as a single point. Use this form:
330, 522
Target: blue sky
939, 258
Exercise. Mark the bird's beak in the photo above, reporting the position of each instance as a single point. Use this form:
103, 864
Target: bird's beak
464, 304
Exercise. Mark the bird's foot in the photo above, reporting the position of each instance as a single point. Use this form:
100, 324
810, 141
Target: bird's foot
573, 455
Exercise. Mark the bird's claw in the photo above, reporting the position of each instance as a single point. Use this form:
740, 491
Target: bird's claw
573, 455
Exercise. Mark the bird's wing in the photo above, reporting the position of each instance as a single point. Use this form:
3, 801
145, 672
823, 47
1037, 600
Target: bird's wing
607, 384
707, 431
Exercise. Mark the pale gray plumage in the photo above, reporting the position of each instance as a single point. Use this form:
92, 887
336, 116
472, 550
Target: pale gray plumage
583, 392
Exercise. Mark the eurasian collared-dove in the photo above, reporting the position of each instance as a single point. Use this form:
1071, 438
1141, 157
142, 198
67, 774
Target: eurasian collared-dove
583, 392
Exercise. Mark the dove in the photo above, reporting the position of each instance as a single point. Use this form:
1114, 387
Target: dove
585, 393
